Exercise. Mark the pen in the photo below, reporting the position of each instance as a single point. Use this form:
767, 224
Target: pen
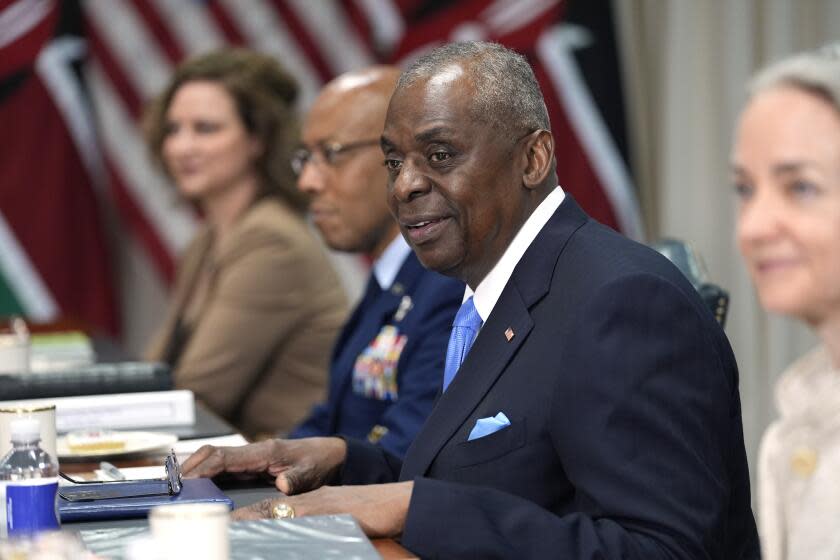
111, 470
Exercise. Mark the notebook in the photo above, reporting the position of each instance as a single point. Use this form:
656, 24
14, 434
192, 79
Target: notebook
198, 490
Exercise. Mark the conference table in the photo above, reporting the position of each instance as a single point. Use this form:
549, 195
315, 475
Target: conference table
207, 425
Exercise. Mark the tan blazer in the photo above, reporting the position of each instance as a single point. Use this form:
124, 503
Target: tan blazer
256, 345
799, 462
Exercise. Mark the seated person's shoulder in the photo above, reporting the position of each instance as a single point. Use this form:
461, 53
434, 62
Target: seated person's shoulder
273, 244
436, 288
612, 257
271, 221
433, 281
276, 235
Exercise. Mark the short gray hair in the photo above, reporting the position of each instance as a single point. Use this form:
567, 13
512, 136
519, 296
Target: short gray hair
816, 72
507, 91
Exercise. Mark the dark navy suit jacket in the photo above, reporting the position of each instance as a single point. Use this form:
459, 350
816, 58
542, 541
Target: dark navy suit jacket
625, 437
426, 324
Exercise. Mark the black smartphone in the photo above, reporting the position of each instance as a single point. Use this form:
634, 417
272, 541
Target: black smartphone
111, 490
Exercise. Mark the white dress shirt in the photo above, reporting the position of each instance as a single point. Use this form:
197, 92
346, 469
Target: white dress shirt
490, 288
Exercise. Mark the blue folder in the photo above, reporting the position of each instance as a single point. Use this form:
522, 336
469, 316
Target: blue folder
194, 490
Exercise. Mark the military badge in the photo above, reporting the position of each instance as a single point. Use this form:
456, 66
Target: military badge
375, 371
405, 306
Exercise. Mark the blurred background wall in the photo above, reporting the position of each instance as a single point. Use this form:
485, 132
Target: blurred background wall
643, 96
685, 66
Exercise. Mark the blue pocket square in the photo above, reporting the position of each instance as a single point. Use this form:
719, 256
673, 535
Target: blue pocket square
486, 426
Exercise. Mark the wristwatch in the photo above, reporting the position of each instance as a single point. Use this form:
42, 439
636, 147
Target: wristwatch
283, 511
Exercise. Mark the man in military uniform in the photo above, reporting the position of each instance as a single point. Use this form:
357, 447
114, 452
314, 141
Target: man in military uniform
387, 364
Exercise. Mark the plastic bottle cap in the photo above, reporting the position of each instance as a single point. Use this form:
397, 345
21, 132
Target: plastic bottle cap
25, 429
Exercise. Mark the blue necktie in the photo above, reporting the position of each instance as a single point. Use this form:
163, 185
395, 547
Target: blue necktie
464, 328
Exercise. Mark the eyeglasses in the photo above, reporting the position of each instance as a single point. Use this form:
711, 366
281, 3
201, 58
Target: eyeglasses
329, 152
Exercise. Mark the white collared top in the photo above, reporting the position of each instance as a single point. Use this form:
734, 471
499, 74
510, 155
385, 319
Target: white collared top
388, 265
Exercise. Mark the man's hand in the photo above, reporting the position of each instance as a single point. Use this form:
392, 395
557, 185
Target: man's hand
299, 465
380, 509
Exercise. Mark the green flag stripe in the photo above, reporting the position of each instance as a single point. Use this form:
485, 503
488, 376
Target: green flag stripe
9, 304
22, 279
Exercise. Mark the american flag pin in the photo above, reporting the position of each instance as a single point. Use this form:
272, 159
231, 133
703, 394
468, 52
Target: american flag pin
509, 334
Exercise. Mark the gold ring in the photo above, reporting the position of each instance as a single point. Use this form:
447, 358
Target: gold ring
283, 511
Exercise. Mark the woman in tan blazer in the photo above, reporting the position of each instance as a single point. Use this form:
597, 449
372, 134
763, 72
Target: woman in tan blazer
256, 305
786, 165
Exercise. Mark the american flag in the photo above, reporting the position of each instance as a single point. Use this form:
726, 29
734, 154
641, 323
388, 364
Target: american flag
97, 63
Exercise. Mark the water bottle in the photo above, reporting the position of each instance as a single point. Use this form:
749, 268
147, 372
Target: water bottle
28, 483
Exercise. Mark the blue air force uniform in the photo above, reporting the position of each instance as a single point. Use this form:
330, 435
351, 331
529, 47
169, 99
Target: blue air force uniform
387, 364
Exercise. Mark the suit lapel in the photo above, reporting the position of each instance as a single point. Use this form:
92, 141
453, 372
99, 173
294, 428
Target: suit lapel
217, 252
352, 323
493, 349
192, 268
187, 279
384, 304
488, 357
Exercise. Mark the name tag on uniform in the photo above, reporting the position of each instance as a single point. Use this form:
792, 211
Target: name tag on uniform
375, 371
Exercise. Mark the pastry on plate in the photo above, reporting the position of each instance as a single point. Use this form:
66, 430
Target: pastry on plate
86, 441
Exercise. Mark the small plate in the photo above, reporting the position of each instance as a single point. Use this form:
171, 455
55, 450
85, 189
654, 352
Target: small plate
135, 442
